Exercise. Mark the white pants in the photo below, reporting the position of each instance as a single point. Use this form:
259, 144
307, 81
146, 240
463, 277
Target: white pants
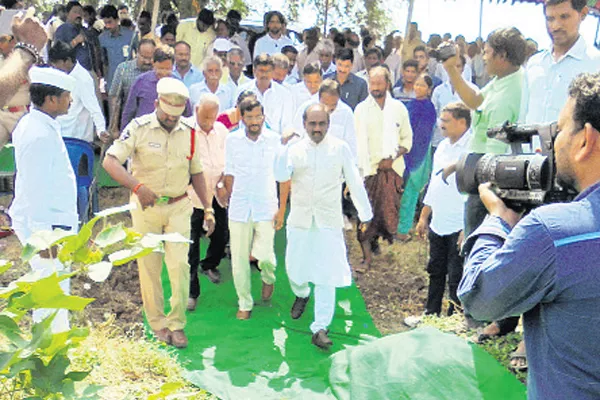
324, 303
256, 239
46, 267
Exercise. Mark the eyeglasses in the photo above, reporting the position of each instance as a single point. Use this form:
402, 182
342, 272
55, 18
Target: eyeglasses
236, 64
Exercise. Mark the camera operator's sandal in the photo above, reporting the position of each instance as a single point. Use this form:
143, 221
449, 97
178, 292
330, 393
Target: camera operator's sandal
518, 355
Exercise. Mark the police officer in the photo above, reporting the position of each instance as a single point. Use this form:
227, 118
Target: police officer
163, 158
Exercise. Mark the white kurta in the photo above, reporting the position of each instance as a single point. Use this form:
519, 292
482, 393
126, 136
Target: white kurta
45, 193
316, 251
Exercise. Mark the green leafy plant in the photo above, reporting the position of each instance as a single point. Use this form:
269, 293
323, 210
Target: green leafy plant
34, 362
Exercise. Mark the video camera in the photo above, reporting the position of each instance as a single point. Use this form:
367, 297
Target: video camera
521, 180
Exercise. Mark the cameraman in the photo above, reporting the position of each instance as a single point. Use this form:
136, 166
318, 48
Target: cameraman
546, 266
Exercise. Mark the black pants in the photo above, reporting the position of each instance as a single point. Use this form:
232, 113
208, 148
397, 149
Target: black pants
216, 248
444, 259
475, 213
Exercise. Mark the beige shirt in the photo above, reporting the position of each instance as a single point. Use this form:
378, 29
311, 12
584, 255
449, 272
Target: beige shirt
199, 41
211, 149
380, 132
159, 159
305, 58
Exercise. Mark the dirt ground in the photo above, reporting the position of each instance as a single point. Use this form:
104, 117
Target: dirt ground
395, 286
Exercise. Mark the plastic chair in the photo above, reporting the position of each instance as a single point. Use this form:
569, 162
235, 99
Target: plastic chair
81, 155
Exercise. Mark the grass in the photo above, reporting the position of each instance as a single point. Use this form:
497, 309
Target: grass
130, 368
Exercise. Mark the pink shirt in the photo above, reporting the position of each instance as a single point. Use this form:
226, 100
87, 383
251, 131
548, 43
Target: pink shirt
211, 149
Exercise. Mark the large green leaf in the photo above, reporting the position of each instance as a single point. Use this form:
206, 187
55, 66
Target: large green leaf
116, 210
5, 265
42, 240
100, 271
49, 378
10, 329
41, 336
110, 236
77, 376
124, 256
69, 339
8, 358
47, 293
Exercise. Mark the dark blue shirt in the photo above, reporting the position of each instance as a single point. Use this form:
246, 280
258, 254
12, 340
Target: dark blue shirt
116, 50
66, 33
354, 90
548, 269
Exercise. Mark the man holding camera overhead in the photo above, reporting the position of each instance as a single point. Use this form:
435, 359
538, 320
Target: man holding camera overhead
498, 102
546, 265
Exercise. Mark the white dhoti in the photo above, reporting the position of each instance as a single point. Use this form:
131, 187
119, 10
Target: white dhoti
318, 256
46, 267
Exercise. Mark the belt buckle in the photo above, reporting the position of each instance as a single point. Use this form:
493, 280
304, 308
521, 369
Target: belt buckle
163, 200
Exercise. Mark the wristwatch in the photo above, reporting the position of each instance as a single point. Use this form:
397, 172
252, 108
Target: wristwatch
209, 211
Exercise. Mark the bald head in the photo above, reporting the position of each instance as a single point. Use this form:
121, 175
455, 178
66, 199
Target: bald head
207, 111
316, 122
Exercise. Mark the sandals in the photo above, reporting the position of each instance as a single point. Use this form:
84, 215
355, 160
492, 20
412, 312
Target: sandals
518, 355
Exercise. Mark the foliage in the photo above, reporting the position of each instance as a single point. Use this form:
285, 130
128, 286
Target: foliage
36, 361
346, 13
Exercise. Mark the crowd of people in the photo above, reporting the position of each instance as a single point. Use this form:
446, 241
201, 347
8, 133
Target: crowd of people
217, 131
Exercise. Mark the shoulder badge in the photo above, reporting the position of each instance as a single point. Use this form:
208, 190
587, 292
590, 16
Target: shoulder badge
188, 122
143, 120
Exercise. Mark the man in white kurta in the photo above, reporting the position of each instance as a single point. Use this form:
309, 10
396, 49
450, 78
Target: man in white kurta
45, 188
315, 167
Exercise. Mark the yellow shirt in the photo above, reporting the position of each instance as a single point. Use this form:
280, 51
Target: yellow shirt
199, 41
158, 158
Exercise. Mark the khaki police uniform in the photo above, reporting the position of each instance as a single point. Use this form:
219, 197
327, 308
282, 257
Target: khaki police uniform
161, 161
10, 114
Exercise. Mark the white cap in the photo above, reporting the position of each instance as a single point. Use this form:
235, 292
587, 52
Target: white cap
53, 77
172, 95
221, 45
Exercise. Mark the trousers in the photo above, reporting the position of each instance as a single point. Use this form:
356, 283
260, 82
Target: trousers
444, 259
251, 239
216, 248
414, 184
324, 303
161, 219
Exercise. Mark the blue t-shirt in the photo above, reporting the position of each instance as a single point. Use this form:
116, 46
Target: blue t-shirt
66, 33
116, 49
547, 269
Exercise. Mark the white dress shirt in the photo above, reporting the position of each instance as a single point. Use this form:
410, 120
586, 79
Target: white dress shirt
85, 111
224, 93
300, 94
269, 45
446, 202
341, 124
45, 187
546, 82
380, 133
317, 172
252, 166
443, 95
277, 102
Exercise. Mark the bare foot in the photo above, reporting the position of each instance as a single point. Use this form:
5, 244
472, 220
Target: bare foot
518, 359
362, 267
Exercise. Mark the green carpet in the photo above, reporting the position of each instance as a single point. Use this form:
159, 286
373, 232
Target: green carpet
270, 356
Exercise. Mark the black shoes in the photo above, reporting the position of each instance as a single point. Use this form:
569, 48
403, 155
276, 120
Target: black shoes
321, 340
299, 306
213, 275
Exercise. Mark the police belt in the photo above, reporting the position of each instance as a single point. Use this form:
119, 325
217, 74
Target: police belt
170, 200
